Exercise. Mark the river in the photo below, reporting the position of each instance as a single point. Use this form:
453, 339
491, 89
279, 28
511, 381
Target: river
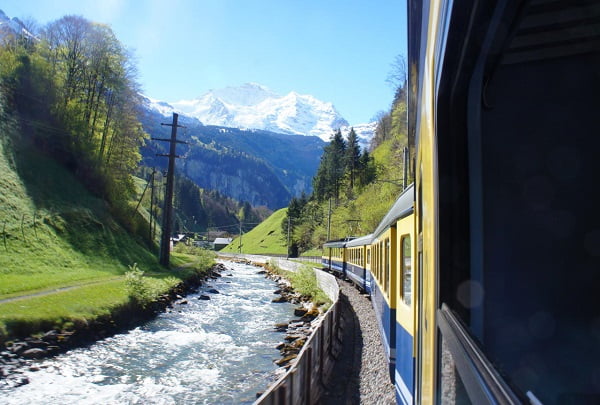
217, 351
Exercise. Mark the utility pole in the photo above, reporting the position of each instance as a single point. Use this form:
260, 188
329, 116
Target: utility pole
405, 175
329, 221
240, 245
152, 205
165, 245
288, 239
208, 223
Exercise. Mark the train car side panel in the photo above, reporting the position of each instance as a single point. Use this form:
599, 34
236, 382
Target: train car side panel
385, 320
405, 355
426, 217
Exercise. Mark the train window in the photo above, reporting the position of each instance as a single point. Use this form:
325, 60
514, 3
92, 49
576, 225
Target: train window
406, 266
369, 256
386, 281
380, 260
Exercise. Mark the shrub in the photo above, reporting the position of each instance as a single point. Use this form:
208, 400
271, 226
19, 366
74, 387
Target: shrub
138, 287
304, 281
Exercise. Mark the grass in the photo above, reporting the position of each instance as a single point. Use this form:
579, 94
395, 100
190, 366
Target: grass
54, 234
304, 282
312, 252
265, 238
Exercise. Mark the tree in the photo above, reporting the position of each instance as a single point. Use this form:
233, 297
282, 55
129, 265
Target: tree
383, 130
352, 157
368, 171
398, 76
327, 181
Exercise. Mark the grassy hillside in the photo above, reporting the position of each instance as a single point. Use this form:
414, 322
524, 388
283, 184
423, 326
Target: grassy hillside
265, 238
56, 234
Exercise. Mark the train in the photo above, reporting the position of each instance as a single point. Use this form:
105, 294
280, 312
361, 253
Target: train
485, 273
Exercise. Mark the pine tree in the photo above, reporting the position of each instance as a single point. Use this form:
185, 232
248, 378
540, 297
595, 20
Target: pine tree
328, 180
352, 157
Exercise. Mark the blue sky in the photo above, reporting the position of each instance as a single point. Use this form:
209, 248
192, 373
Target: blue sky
339, 51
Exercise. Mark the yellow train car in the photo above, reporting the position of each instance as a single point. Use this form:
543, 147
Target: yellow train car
405, 248
333, 258
503, 103
384, 271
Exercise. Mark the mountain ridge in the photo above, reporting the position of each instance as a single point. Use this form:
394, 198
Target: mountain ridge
261, 167
254, 106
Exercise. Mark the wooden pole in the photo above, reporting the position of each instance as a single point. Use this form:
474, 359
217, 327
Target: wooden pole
165, 242
240, 244
151, 207
288, 239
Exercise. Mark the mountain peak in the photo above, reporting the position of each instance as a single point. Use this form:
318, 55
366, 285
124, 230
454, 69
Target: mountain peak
13, 27
248, 94
255, 106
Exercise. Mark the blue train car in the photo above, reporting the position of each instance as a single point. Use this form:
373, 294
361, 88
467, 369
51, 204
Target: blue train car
333, 258
358, 254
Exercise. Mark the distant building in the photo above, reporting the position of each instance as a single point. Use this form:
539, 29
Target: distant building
220, 243
180, 237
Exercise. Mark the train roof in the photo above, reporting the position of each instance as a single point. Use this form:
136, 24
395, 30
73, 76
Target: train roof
336, 243
363, 240
401, 208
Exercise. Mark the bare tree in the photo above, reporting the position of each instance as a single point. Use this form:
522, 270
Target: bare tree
398, 75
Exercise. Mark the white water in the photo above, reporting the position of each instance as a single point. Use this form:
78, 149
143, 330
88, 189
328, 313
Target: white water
219, 351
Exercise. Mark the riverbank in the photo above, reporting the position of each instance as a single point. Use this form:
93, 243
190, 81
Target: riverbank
296, 285
215, 350
18, 353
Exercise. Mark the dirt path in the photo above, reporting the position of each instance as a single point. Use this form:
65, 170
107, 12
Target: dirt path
57, 290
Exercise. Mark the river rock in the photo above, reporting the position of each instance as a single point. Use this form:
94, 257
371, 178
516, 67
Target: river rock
34, 353
278, 299
212, 291
284, 361
300, 311
293, 337
18, 347
51, 336
281, 327
203, 297
298, 343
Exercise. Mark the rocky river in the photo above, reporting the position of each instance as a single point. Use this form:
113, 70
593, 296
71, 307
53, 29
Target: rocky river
216, 346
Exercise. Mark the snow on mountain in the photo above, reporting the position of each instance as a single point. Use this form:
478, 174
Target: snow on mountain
253, 106
160, 107
13, 26
364, 133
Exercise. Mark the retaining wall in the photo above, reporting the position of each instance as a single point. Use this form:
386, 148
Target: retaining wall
306, 380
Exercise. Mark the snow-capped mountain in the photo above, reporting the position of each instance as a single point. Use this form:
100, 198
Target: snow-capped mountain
364, 133
254, 106
13, 26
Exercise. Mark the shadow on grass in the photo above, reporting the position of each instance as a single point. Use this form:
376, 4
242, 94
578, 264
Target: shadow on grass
76, 215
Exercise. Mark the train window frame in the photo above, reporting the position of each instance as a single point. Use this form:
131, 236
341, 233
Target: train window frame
387, 263
403, 284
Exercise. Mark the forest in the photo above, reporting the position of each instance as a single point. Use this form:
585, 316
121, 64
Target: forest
354, 188
73, 87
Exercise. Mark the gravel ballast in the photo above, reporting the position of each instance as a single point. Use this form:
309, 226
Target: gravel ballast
361, 372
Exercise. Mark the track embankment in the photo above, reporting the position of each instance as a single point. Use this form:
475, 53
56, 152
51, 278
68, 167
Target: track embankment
361, 372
